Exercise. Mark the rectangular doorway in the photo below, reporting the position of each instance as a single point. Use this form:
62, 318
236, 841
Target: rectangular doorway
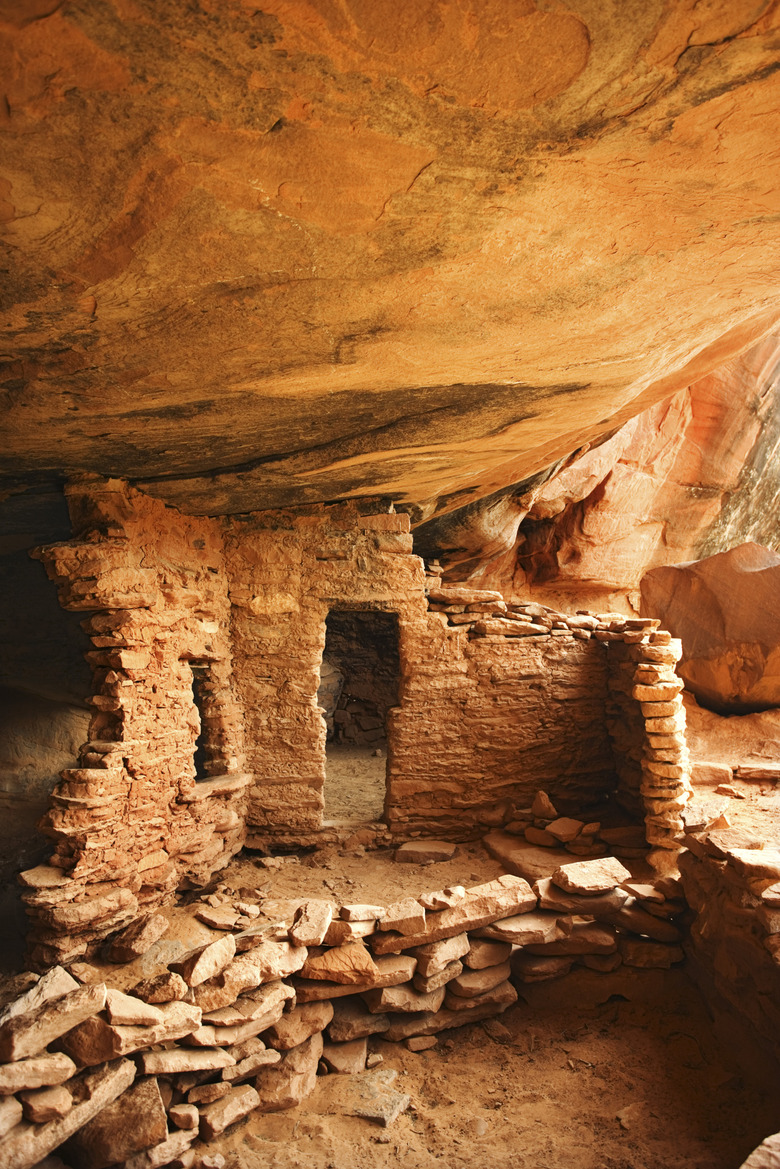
359, 684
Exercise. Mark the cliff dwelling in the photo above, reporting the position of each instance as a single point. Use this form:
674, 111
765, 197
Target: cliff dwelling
390, 577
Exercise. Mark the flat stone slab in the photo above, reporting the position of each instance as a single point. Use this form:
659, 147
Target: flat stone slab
392, 970
592, 876
523, 859
525, 929
483, 904
42, 1071
370, 1095
28, 1034
422, 852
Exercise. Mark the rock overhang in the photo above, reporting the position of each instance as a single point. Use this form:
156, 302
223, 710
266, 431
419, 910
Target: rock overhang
269, 258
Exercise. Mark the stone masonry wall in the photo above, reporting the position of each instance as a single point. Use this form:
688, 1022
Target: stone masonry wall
495, 701
483, 719
129, 823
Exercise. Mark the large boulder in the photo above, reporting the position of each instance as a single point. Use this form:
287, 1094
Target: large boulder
726, 610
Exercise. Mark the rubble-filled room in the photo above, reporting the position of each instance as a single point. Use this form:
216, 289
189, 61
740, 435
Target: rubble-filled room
390, 581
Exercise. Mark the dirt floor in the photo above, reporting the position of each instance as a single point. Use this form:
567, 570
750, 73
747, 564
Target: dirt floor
609, 1072
354, 782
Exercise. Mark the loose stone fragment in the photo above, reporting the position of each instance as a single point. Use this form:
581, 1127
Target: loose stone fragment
266, 963
565, 828
543, 807
442, 898
299, 1024
504, 994
95, 1041
205, 962
483, 952
527, 928
174, 1152
52, 985
10, 1114
250, 1066
163, 988
482, 905
405, 917
431, 1022
125, 1009
585, 938
137, 939
134, 1121
372, 1097
434, 957
346, 1058
593, 876
205, 1093
402, 998
420, 852
178, 1059
361, 912
435, 981
477, 982
350, 964
44, 1104
311, 922
27, 1034
352, 1020
421, 1042
530, 968
340, 931
184, 1116
391, 971
42, 1071
292, 1079
639, 921
237, 1104
541, 837
220, 917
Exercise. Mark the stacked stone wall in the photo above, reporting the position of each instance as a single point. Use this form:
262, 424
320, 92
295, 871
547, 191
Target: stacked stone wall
245, 1022
129, 823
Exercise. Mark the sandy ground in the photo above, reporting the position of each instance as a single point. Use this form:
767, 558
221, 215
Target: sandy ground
354, 783
633, 1082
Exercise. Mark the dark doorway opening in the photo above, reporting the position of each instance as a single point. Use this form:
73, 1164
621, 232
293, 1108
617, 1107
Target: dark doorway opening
359, 680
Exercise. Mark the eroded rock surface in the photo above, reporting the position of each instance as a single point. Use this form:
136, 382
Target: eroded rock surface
479, 231
726, 611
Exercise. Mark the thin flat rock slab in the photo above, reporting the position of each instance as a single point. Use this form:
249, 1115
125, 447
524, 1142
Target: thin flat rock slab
310, 924
353, 1020
370, 1095
27, 1144
350, 964
434, 957
523, 859
290, 1081
527, 928
27, 1034
484, 952
51, 985
596, 905
478, 982
431, 1022
503, 995
219, 1115
177, 1060
346, 1058
529, 968
205, 962
766, 1156
592, 876
138, 938
483, 904
299, 1024
585, 938
423, 852
402, 998
95, 1041
42, 1071
392, 970
133, 1122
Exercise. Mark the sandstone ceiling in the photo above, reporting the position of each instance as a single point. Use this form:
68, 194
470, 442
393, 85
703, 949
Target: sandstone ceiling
419, 248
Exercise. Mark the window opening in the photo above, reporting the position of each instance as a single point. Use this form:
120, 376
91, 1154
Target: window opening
359, 679
201, 679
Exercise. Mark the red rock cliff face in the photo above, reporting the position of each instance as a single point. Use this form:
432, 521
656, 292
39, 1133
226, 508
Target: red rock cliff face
692, 475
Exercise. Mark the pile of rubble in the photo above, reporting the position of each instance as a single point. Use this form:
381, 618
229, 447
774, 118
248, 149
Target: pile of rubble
246, 1022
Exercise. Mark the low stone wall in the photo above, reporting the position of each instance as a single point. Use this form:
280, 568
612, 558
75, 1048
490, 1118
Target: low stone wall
732, 881
247, 1021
